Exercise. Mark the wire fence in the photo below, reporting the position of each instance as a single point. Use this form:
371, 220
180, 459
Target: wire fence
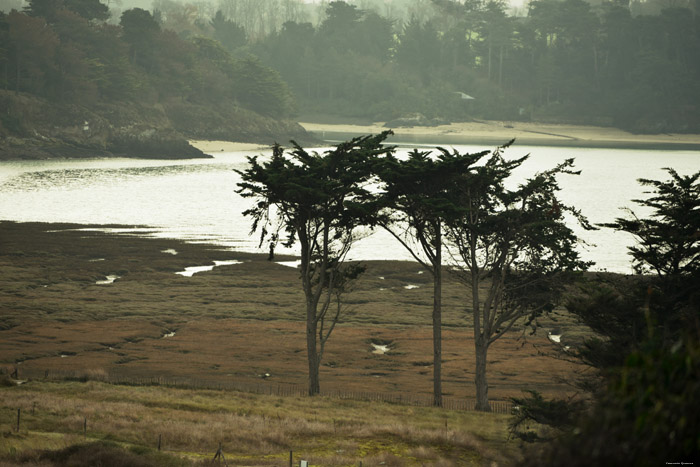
263, 387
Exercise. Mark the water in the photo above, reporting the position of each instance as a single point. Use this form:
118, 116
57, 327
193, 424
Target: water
196, 200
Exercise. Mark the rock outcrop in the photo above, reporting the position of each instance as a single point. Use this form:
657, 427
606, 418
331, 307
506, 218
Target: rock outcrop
34, 128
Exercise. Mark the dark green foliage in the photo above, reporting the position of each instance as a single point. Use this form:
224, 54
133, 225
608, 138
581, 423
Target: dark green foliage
565, 61
73, 58
414, 203
668, 242
317, 202
230, 34
43, 8
88, 9
515, 253
647, 416
556, 415
261, 89
613, 308
102, 454
648, 352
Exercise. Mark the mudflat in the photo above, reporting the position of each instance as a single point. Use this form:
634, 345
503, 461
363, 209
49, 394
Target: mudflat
83, 299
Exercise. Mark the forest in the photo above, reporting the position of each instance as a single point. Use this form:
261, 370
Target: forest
564, 61
85, 85
629, 65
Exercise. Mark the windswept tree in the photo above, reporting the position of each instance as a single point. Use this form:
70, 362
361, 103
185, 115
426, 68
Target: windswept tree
512, 248
648, 350
318, 202
668, 241
668, 249
415, 200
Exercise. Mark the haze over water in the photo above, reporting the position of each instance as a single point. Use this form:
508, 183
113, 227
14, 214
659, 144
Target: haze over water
195, 200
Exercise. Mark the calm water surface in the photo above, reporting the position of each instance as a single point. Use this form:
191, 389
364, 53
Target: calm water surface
196, 200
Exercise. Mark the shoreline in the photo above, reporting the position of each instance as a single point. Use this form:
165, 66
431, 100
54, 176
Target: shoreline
214, 146
486, 133
500, 132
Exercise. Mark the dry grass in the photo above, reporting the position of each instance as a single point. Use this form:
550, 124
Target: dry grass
253, 429
234, 324
237, 322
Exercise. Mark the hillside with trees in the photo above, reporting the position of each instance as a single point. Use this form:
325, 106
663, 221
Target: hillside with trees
73, 84
613, 64
84, 76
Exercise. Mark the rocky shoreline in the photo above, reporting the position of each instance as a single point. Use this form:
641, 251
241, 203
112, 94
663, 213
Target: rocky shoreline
32, 128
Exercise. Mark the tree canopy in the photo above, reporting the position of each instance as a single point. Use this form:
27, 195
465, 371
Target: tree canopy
317, 201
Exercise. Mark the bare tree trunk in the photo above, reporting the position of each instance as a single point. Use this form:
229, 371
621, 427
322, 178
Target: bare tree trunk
18, 70
500, 67
437, 320
312, 351
490, 54
482, 387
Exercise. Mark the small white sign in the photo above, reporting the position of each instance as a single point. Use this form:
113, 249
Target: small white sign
303, 464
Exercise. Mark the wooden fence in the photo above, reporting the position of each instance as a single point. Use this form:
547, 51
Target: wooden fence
263, 387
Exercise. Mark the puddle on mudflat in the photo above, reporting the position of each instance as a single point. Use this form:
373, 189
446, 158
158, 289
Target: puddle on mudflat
109, 280
192, 270
380, 349
554, 337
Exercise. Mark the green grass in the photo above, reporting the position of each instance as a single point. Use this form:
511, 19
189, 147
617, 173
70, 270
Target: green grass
253, 429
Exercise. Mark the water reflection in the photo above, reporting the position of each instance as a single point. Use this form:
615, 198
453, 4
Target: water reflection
196, 200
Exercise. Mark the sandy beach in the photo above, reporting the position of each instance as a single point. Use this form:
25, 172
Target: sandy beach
484, 132
211, 147
499, 132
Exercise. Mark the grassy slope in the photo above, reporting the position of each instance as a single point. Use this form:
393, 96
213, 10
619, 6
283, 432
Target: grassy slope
252, 429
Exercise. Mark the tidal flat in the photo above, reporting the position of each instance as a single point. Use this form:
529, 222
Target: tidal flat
79, 300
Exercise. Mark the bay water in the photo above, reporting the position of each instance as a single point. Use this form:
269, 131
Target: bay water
196, 200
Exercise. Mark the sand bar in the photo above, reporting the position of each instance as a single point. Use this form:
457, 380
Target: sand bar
499, 132
211, 147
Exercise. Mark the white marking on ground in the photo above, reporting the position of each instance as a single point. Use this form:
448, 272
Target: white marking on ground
109, 280
290, 264
192, 270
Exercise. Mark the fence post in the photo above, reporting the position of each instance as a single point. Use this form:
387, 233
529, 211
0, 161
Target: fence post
291, 458
19, 411
85, 427
159, 439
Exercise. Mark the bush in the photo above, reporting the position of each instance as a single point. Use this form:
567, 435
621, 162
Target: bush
647, 416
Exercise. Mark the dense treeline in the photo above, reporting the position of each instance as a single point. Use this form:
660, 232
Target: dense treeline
629, 64
66, 53
563, 61
632, 65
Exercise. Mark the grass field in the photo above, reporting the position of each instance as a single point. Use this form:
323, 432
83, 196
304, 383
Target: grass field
239, 322
252, 429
